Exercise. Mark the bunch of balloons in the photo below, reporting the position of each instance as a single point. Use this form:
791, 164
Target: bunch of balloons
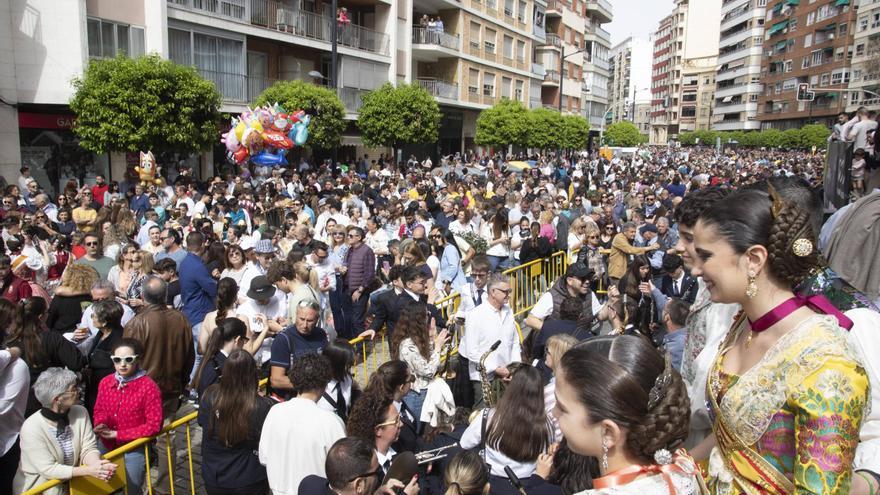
264, 135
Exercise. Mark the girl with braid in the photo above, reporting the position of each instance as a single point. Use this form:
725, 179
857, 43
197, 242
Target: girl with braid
787, 391
619, 401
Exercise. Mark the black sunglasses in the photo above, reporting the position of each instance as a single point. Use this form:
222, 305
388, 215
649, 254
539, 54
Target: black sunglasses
378, 474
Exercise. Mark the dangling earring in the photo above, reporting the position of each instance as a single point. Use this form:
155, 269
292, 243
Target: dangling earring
752, 287
604, 454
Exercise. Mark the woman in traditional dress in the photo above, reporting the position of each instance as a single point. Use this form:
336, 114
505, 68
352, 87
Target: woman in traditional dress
787, 392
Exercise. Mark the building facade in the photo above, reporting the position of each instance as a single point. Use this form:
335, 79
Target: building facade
865, 75
468, 55
737, 80
664, 71
697, 90
630, 82
805, 42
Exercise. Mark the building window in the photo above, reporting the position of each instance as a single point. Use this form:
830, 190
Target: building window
753, 97
860, 49
488, 84
757, 41
220, 60
863, 23
508, 47
475, 35
520, 51
518, 95
521, 12
811, 18
808, 40
508, 8
108, 39
824, 78
787, 66
489, 41
816, 57
473, 81
842, 29
506, 84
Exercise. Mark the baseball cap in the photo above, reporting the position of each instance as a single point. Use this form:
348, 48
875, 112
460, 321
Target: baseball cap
261, 288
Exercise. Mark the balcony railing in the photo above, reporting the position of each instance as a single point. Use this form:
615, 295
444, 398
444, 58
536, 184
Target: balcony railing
237, 88
439, 89
351, 98
538, 69
427, 36
551, 76
279, 16
553, 39
554, 5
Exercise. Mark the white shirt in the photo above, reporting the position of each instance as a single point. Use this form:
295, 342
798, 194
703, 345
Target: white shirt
483, 327
468, 294
544, 307
86, 322
15, 380
330, 390
496, 460
277, 307
388, 456
294, 443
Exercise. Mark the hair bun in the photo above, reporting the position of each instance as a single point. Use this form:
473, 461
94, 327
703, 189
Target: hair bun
791, 253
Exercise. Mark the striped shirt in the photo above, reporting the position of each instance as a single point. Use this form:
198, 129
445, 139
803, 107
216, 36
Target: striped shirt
66, 443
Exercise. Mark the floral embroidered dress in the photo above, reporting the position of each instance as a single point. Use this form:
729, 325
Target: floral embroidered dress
791, 423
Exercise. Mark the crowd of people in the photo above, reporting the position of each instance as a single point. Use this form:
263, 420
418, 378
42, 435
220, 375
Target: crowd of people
708, 335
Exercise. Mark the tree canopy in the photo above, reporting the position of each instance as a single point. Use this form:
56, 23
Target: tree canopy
505, 123
545, 128
142, 104
575, 132
804, 138
325, 107
398, 115
623, 133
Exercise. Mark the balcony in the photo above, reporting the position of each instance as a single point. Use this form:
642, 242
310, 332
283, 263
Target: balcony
554, 8
351, 98
553, 40
439, 89
535, 103
601, 9
551, 77
237, 88
277, 16
538, 69
425, 36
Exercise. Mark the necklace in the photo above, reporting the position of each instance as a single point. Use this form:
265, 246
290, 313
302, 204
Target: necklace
787, 307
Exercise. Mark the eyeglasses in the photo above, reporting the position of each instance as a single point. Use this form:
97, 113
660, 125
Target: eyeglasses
378, 474
91, 244
436, 236
505, 291
479, 274
353, 236
123, 359
338, 233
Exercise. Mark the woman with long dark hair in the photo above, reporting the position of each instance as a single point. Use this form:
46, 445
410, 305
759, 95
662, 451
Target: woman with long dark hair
394, 379
341, 391
231, 414
41, 349
517, 430
415, 341
637, 308
107, 318
229, 335
620, 401
227, 307
497, 236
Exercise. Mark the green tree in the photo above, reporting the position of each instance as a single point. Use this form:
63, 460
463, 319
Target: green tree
142, 104
395, 116
545, 128
575, 132
707, 138
750, 138
814, 135
325, 107
687, 138
791, 138
622, 133
771, 138
502, 124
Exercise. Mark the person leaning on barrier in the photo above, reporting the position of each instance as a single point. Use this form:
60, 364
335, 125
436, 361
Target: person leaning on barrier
575, 283
58, 441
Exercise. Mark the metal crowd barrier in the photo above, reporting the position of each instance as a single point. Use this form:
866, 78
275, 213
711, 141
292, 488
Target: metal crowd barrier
528, 281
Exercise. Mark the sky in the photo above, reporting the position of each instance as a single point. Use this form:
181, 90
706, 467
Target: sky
636, 18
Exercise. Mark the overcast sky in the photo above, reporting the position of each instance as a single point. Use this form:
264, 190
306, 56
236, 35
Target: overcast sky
636, 18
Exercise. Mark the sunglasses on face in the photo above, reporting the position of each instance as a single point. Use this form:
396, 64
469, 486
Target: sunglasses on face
506, 292
123, 359
91, 244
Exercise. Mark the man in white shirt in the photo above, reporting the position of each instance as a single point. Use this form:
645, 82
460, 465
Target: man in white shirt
575, 283
264, 299
473, 294
485, 325
14, 384
858, 133
297, 434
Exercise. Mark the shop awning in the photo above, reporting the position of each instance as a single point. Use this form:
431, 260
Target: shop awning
792, 2
779, 26
780, 45
841, 3
778, 8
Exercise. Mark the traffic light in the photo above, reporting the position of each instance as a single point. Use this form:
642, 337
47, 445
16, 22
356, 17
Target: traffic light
804, 93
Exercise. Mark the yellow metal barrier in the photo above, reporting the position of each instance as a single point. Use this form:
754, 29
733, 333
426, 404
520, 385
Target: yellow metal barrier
528, 282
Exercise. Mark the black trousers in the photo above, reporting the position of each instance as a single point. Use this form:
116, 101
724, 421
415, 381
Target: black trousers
8, 467
354, 313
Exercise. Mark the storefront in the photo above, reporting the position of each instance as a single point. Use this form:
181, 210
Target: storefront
51, 150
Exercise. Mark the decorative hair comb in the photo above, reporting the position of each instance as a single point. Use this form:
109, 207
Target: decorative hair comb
658, 391
778, 204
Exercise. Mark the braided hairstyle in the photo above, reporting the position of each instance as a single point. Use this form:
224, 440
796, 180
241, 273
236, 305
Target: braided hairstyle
755, 216
614, 376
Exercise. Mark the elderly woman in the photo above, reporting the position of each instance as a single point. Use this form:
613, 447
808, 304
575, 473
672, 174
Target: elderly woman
129, 407
66, 308
58, 442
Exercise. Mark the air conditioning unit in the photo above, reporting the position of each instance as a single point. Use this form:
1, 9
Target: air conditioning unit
831, 36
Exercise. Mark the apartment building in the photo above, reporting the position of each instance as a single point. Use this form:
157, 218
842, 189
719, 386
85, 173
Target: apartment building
738, 78
468, 54
630, 82
697, 90
664, 71
865, 74
805, 42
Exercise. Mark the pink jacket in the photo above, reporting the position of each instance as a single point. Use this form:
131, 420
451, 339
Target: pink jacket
134, 411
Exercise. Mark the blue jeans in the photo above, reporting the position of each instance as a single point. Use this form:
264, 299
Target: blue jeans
195, 333
135, 467
414, 402
497, 261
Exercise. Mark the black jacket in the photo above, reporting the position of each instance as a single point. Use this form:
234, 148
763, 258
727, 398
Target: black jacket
531, 250
390, 304
687, 290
